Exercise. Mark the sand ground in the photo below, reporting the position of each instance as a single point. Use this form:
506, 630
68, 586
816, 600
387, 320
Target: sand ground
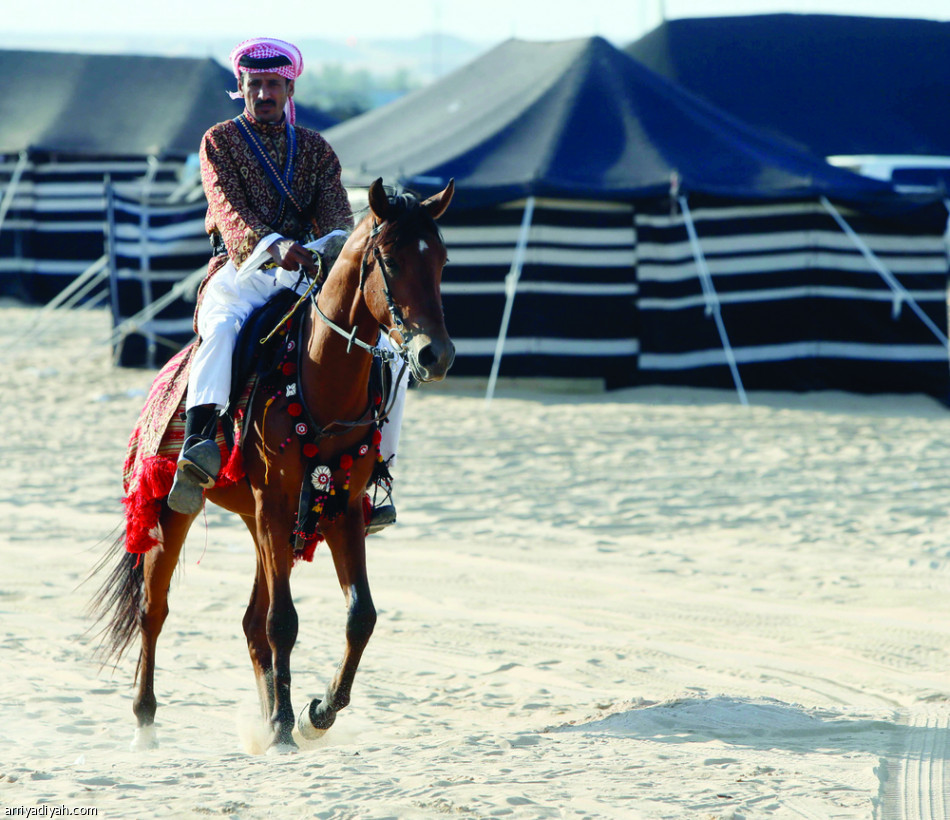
653, 603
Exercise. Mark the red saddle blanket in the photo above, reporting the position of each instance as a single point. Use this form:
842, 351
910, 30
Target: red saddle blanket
154, 447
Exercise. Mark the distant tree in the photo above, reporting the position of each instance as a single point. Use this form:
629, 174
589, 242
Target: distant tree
345, 93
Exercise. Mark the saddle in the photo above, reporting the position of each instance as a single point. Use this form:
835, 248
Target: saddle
253, 357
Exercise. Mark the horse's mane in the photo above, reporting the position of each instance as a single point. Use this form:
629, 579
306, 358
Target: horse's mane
412, 221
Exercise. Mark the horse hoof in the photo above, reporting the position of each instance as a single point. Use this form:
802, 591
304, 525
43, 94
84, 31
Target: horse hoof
312, 723
145, 738
282, 749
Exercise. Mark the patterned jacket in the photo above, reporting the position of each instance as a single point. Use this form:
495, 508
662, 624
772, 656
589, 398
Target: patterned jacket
244, 205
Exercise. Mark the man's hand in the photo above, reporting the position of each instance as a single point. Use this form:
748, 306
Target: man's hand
292, 255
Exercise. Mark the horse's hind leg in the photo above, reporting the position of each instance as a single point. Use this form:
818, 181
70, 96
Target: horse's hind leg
160, 563
347, 542
255, 629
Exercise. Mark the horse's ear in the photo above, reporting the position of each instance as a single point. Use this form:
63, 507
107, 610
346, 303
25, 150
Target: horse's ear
437, 205
378, 200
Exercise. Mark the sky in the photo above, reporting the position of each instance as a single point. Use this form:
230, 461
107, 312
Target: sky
476, 20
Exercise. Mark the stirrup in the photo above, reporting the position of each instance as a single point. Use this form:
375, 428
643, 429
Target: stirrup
382, 517
197, 468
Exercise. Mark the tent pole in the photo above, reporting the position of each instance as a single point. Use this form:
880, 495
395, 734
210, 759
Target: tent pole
145, 269
110, 239
712, 299
153, 166
511, 286
11, 189
901, 294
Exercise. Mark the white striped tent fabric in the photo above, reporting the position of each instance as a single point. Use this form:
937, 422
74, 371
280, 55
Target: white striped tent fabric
801, 306
54, 228
574, 313
153, 247
612, 292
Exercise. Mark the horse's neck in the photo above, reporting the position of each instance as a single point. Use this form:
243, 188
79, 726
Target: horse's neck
334, 380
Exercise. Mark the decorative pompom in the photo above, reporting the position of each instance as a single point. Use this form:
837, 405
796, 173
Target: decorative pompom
310, 450
289, 369
295, 408
377, 437
346, 461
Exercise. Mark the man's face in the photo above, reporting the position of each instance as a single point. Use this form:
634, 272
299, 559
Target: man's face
265, 94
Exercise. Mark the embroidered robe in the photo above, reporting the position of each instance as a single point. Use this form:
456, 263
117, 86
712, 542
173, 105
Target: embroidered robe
244, 205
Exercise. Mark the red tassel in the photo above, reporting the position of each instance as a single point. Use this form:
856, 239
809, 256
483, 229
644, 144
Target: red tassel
234, 470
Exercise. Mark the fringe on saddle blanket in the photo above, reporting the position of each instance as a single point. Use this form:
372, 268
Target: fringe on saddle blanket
153, 452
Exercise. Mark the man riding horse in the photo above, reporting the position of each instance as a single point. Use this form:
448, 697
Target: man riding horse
272, 188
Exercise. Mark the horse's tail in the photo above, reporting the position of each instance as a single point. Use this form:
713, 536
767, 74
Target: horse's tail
118, 602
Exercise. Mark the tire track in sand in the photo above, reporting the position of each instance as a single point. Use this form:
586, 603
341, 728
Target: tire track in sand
915, 784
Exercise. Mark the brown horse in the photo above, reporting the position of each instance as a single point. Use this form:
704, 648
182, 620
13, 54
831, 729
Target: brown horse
387, 276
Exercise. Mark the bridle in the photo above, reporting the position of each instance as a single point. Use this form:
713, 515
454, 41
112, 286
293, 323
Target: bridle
399, 351
395, 311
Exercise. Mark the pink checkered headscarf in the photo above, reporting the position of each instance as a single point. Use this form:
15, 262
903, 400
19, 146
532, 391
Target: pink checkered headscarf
265, 54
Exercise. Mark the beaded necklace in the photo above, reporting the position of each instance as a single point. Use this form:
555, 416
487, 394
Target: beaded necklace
283, 180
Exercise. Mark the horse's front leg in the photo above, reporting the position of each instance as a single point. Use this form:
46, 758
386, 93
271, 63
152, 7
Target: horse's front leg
281, 627
255, 628
347, 541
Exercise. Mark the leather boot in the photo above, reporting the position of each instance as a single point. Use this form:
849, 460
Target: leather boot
199, 462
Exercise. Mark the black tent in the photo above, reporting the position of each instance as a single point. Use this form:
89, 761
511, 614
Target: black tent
73, 120
116, 105
833, 84
579, 119
617, 198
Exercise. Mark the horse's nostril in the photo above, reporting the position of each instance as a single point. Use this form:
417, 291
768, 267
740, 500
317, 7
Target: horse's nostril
427, 357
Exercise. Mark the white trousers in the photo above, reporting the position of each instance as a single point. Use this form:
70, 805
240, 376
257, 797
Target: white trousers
229, 298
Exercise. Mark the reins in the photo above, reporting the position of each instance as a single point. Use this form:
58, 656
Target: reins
313, 292
395, 312
386, 355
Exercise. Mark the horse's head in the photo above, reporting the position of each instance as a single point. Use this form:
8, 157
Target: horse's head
402, 276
